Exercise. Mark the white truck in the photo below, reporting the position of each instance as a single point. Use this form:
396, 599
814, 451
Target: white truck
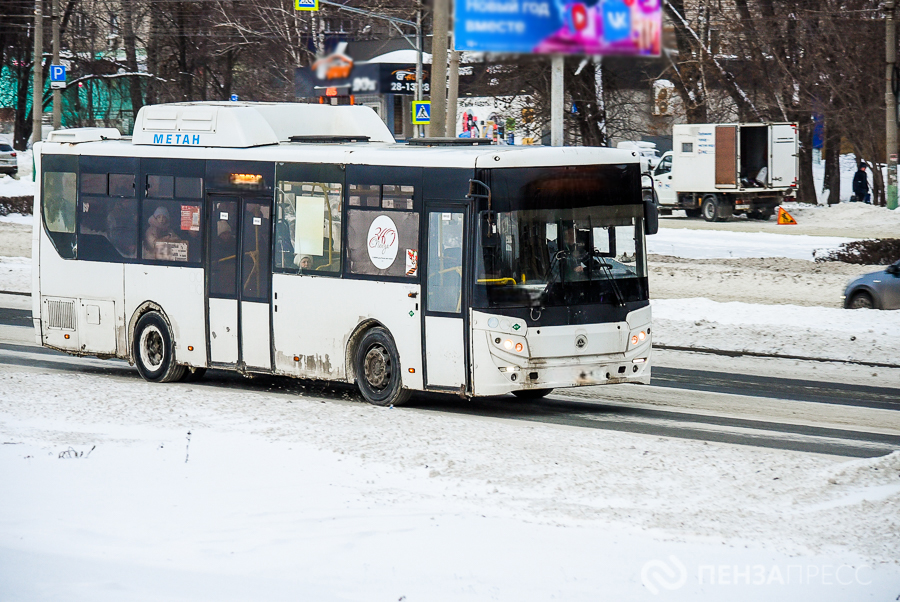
720, 170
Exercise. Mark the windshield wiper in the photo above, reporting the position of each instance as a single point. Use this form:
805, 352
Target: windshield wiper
607, 273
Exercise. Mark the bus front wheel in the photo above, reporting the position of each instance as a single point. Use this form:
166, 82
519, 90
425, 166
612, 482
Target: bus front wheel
153, 350
378, 369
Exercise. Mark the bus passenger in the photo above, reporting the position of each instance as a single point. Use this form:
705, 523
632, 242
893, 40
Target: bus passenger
159, 231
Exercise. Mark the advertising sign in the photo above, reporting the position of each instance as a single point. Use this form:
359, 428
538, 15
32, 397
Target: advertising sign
627, 27
373, 78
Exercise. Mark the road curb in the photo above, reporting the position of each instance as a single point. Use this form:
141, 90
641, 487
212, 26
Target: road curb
772, 355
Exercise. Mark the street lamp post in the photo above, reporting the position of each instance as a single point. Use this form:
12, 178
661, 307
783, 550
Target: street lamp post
890, 102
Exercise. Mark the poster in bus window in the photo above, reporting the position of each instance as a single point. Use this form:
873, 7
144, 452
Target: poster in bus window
171, 251
383, 242
412, 262
190, 218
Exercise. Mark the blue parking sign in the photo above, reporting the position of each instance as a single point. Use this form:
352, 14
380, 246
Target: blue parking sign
57, 73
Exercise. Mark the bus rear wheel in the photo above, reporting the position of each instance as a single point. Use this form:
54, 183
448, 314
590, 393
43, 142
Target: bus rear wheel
378, 369
153, 350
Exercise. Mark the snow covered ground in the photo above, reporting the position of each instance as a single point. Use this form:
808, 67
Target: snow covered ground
20, 186
116, 489
712, 244
816, 332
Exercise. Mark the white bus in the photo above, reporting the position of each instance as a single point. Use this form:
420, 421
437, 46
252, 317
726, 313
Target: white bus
302, 240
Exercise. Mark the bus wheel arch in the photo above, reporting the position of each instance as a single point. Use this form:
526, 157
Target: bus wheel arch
152, 344
373, 362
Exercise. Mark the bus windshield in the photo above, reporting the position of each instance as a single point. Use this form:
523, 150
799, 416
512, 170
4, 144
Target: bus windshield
561, 236
557, 257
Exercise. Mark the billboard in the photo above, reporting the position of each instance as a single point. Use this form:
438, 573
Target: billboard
626, 27
338, 79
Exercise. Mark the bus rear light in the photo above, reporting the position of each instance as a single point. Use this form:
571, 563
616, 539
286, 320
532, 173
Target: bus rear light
412, 370
296, 358
190, 348
67, 336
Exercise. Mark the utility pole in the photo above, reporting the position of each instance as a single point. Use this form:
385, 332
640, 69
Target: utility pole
453, 94
557, 98
441, 21
890, 103
57, 93
420, 48
37, 93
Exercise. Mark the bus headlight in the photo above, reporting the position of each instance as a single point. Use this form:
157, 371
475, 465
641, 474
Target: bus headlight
638, 338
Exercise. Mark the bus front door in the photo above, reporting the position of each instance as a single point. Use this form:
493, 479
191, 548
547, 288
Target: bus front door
239, 279
444, 309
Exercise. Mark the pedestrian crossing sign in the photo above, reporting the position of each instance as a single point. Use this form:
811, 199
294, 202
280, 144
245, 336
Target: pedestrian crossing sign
421, 112
306, 4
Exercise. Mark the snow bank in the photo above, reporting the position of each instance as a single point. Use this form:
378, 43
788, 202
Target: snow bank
815, 332
859, 220
712, 244
10, 186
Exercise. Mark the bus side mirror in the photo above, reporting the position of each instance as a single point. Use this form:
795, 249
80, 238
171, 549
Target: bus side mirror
651, 216
489, 236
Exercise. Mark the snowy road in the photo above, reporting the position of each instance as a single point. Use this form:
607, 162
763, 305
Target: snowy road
654, 410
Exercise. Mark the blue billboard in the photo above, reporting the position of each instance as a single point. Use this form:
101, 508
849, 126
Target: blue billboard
628, 27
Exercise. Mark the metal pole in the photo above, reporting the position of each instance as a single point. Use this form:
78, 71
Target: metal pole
556, 100
890, 106
453, 94
441, 18
37, 93
420, 48
601, 100
57, 93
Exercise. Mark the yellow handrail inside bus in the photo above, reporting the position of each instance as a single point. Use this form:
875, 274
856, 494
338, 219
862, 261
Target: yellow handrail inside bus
497, 281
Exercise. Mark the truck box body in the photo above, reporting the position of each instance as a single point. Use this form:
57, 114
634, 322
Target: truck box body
741, 167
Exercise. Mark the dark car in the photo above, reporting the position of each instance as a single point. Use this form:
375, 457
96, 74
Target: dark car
878, 290
8, 161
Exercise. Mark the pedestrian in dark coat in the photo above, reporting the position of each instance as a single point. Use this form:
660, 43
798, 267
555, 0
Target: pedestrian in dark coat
861, 185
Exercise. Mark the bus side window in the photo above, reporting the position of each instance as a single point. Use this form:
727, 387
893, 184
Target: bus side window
59, 203
308, 227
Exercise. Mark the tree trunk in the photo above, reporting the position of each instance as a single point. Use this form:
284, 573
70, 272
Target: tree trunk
134, 84
806, 188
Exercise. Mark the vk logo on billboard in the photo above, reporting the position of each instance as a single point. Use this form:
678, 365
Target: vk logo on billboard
616, 20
